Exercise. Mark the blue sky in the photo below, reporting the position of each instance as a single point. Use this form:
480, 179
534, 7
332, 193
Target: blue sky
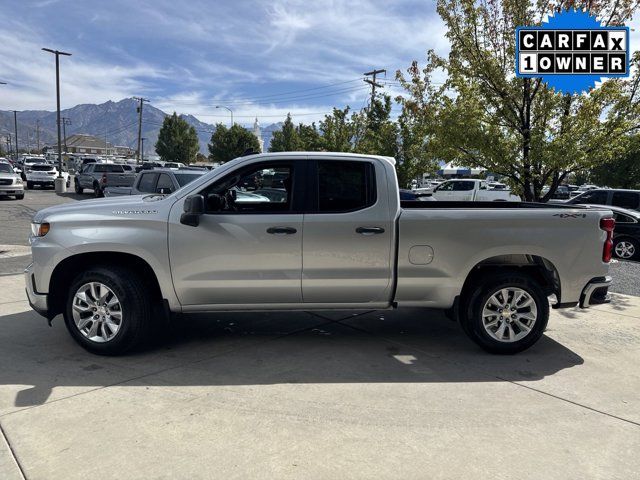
191, 55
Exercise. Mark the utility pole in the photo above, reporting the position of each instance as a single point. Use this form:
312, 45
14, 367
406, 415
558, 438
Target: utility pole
61, 187
15, 126
373, 83
141, 100
65, 121
38, 134
9, 144
142, 146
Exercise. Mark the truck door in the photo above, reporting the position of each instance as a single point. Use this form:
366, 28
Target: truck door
247, 249
348, 233
444, 191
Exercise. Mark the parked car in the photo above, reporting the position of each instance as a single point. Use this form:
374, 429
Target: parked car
147, 166
629, 199
581, 189
28, 162
11, 184
99, 176
469, 190
162, 180
44, 175
342, 240
174, 165
626, 235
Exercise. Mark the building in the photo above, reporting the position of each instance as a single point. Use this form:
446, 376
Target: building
258, 134
81, 143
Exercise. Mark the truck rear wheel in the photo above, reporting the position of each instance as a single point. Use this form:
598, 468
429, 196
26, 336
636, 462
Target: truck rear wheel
108, 310
506, 313
77, 187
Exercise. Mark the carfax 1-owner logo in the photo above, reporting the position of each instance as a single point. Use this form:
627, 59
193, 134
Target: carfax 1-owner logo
572, 51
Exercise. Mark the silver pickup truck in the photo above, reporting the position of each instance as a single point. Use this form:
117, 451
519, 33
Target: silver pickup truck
98, 176
328, 232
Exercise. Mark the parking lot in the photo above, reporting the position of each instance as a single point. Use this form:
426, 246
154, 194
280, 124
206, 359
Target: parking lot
398, 394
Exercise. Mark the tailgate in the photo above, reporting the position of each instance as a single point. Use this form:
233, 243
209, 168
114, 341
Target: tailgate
120, 179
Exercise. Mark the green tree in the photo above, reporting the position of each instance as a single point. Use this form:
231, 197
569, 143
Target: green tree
287, 139
622, 172
229, 143
310, 138
337, 131
177, 140
484, 116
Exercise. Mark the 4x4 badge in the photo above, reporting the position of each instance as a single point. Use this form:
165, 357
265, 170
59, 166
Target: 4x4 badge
570, 215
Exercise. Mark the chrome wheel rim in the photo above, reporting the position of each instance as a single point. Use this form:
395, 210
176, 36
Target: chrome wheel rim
97, 312
509, 314
625, 249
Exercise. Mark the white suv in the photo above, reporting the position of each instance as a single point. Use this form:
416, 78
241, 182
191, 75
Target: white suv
44, 175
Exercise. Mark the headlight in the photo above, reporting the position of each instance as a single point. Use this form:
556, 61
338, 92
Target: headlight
39, 229
18, 181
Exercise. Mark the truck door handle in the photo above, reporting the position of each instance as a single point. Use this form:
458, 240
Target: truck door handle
369, 230
281, 230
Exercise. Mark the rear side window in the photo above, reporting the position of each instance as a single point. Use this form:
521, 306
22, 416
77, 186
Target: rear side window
345, 186
147, 182
598, 197
628, 200
462, 186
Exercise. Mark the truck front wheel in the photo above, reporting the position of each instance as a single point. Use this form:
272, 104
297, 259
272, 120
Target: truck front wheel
108, 310
506, 313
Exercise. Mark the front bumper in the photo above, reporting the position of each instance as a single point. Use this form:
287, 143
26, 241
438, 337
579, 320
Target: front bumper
16, 189
596, 292
38, 301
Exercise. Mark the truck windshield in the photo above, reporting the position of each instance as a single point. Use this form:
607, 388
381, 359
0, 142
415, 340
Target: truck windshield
41, 168
5, 168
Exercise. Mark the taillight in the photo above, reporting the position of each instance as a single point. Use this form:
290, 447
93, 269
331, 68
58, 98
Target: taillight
607, 224
104, 178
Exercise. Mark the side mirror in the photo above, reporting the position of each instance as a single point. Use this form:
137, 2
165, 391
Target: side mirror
192, 209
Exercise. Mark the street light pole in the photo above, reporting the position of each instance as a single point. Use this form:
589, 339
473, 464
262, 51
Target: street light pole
230, 111
59, 182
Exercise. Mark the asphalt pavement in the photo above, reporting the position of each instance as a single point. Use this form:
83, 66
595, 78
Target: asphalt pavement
397, 394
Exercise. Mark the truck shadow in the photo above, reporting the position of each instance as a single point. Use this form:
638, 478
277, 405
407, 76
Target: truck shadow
41, 364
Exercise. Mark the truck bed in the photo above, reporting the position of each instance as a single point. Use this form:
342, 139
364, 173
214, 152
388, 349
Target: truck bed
417, 204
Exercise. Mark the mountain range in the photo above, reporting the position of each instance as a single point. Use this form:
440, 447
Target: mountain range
118, 121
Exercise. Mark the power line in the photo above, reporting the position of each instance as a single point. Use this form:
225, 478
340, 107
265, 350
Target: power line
262, 97
284, 100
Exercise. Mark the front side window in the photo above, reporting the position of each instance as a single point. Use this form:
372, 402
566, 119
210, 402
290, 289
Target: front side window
165, 185
345, 186
622, 218
147, 182
255, 189
445, 187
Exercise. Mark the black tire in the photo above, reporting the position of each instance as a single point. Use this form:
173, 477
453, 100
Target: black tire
634, 244
68, 183
79, 190
20, 197
97, 191
471, 314
137, 308
29, 185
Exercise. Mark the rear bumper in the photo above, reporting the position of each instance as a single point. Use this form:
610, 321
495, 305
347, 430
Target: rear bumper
596, 292
38, 301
